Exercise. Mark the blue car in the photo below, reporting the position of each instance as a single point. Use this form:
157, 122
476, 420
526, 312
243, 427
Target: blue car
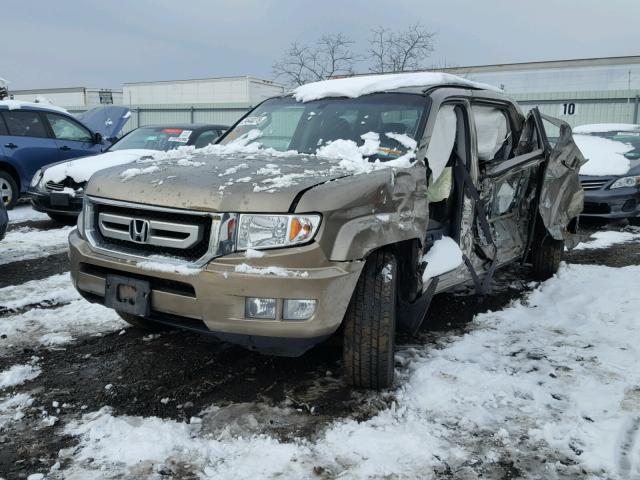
33, 135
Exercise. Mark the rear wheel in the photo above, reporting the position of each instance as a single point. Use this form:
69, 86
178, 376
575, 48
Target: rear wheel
142, 323
63, 219
546, 255
9, 191
370, 325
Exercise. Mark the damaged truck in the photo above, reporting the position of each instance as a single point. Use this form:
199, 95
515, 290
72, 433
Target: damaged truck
339, 210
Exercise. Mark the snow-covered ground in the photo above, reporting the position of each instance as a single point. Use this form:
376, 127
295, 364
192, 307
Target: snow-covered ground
24, 213
26, 243
57, 326
550, 383
608, 238
53, 290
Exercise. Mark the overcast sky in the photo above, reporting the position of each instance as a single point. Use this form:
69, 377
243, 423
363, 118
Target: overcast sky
67, 43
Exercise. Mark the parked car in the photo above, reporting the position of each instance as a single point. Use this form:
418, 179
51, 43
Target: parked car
4, 220
57, 190
611, 176
340, 209
33, 135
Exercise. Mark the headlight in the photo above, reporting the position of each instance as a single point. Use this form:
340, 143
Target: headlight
626, 182
36, 178
271, 231
81, 218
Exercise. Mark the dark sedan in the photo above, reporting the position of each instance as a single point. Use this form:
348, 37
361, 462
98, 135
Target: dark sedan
58, 189
611, 177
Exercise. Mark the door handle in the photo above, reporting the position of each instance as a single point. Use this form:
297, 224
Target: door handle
10, 145
65, 148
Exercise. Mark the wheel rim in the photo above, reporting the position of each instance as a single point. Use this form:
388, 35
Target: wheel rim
6, 192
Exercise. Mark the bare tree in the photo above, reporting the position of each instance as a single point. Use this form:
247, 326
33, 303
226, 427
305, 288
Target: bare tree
332, 55
391, 51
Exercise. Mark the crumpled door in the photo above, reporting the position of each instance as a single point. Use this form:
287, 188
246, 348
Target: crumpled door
561, 197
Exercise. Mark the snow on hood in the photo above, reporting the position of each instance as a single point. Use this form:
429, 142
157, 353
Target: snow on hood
18, 104
81, 169
353, 87
607, 127
604, 156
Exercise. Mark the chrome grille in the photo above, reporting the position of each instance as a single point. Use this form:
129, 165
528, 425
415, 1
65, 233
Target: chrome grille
593, 184
54, 186
179, 236
147, 231
66, 183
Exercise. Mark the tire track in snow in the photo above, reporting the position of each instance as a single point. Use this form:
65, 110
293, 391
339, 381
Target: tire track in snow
26, 243
56, 326
49, 292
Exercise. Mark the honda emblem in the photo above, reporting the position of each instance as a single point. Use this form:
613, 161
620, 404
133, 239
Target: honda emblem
139, 230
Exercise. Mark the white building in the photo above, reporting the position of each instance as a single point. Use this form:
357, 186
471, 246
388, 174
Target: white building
590, 90
579, 75
74, 97
213, 91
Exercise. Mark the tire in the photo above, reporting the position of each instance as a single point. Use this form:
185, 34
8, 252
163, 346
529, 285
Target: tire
142, 323
546, 256
63, 219
635, 221
370, 325
9, 190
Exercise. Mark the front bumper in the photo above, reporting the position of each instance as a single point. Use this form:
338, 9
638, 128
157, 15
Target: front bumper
614, 204
42, 202
213, 299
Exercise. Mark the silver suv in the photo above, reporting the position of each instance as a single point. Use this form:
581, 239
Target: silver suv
339, 209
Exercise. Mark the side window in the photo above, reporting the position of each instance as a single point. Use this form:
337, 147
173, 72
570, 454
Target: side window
25, 124
66, 129
206, 138
493, 133
3, 127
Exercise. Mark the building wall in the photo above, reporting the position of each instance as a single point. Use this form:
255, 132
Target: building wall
579, 108
204, 91
77, 97
57, 98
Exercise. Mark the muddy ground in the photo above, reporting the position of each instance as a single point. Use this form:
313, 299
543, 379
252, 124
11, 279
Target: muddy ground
189, 372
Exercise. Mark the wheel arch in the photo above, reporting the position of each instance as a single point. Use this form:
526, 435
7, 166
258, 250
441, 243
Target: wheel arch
13, 171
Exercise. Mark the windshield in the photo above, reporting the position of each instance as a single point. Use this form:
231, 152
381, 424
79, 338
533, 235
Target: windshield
630, 138
153, 138
285, 124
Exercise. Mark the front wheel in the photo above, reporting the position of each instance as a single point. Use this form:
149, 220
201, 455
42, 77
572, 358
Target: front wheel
370, 325
8, 189
546, 255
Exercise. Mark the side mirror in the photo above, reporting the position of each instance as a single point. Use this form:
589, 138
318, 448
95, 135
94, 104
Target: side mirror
97, 138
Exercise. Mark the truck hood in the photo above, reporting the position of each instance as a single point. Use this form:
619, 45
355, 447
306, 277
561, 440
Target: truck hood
211, 182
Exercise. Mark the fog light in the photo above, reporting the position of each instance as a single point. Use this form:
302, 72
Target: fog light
298, 309
264, 308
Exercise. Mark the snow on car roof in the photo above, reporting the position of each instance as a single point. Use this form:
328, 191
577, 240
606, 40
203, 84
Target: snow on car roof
18, 104
606, 127
353, 87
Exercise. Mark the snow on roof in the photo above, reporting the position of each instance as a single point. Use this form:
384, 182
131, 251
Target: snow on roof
607, 127
604, 156
18, 104
353, 87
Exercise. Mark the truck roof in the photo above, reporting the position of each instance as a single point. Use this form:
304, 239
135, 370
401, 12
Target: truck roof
357, 86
